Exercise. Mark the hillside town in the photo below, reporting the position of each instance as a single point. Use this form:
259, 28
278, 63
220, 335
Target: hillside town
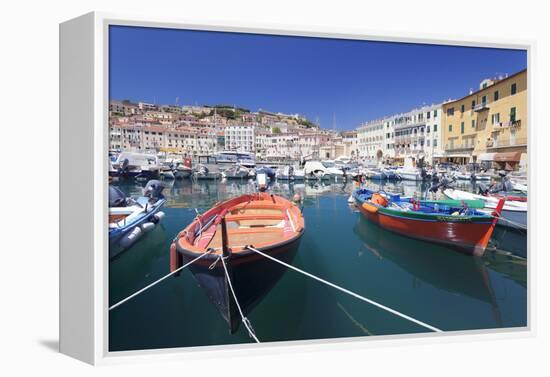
486, 124
204, 130
336, 159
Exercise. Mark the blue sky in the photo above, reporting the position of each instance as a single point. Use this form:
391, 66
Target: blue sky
315, 77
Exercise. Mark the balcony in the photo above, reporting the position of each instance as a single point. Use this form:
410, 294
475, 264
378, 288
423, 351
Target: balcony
511, 124
403, 139
481, 107
402, 151
493, 144
419, 124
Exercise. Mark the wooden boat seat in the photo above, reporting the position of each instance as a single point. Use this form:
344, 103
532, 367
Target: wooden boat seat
247, 236
254, 211
255, 216
258, 223
258, 205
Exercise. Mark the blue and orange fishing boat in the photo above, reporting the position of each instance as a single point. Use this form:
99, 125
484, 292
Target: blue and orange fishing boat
269, 223
456, 223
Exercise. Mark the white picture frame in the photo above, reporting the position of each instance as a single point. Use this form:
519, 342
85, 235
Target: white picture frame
83, 190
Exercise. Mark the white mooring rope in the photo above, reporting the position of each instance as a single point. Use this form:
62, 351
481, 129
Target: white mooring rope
245, 320
518, 225
393, 311
159, 280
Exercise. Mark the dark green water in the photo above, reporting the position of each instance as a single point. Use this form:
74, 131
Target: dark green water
438, 286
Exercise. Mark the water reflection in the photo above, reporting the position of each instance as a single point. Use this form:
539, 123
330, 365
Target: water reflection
438, 266
446, 289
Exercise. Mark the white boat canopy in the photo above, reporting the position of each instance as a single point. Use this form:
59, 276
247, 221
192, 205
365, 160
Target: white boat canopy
486, 157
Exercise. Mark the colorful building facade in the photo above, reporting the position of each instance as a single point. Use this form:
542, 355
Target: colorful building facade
489, 124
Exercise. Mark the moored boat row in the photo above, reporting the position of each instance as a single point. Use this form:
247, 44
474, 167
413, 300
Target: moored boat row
236, 279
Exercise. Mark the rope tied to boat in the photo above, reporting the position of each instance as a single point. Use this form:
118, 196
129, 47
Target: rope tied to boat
372, 302
213, 265
159, 280
501, 218
244, 320
198, 218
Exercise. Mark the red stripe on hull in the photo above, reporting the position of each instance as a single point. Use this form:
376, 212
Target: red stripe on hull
469, 237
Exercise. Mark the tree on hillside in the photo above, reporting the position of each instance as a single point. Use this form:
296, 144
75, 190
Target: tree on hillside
306, 123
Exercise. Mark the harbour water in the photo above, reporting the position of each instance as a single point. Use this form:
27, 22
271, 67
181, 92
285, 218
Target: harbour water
438, 286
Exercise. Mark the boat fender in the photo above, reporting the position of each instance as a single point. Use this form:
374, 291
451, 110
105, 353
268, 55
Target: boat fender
370, 208
159, 216
148, 226
176, 260
130, 238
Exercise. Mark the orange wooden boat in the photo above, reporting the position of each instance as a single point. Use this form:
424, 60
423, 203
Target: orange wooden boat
269, 223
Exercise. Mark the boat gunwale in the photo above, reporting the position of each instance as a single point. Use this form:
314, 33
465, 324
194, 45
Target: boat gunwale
184, 245
423, 216
238, 255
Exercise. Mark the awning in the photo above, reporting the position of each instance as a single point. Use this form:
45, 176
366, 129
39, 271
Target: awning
457, 155
486, 157
508, 156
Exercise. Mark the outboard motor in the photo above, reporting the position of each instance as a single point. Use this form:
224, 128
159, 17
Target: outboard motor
270, 173
496, 187
503, 185
123, 169
433, 188
440, 184
261, 181
423, 173
445, 182
116, 197
153, 189
507, 185
483, 189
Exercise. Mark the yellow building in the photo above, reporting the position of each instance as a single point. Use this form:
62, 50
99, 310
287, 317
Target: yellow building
489, 124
